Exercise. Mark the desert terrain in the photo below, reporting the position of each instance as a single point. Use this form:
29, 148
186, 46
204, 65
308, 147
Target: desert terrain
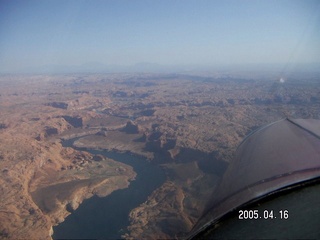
188, 124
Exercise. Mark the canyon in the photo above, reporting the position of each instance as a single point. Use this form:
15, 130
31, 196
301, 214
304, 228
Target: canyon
189, 125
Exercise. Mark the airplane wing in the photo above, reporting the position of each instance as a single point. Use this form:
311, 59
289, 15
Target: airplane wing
280, 157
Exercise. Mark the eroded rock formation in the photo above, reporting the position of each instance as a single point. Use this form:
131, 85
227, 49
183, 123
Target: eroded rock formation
189, 125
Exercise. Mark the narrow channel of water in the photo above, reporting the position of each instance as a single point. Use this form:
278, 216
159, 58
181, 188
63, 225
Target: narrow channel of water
108, 217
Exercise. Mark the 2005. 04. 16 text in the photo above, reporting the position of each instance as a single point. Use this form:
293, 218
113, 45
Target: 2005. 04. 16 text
266, 214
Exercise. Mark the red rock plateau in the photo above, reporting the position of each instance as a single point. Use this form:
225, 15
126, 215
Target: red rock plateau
190, 125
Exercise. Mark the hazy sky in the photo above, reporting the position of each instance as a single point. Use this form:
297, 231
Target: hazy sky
169, 32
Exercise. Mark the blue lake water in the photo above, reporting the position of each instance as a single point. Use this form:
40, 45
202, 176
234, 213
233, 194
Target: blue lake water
108, 217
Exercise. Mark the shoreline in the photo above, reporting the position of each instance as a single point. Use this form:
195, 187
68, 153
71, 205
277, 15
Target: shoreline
137, 165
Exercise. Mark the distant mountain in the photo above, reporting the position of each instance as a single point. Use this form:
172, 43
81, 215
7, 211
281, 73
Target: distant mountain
98, 67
